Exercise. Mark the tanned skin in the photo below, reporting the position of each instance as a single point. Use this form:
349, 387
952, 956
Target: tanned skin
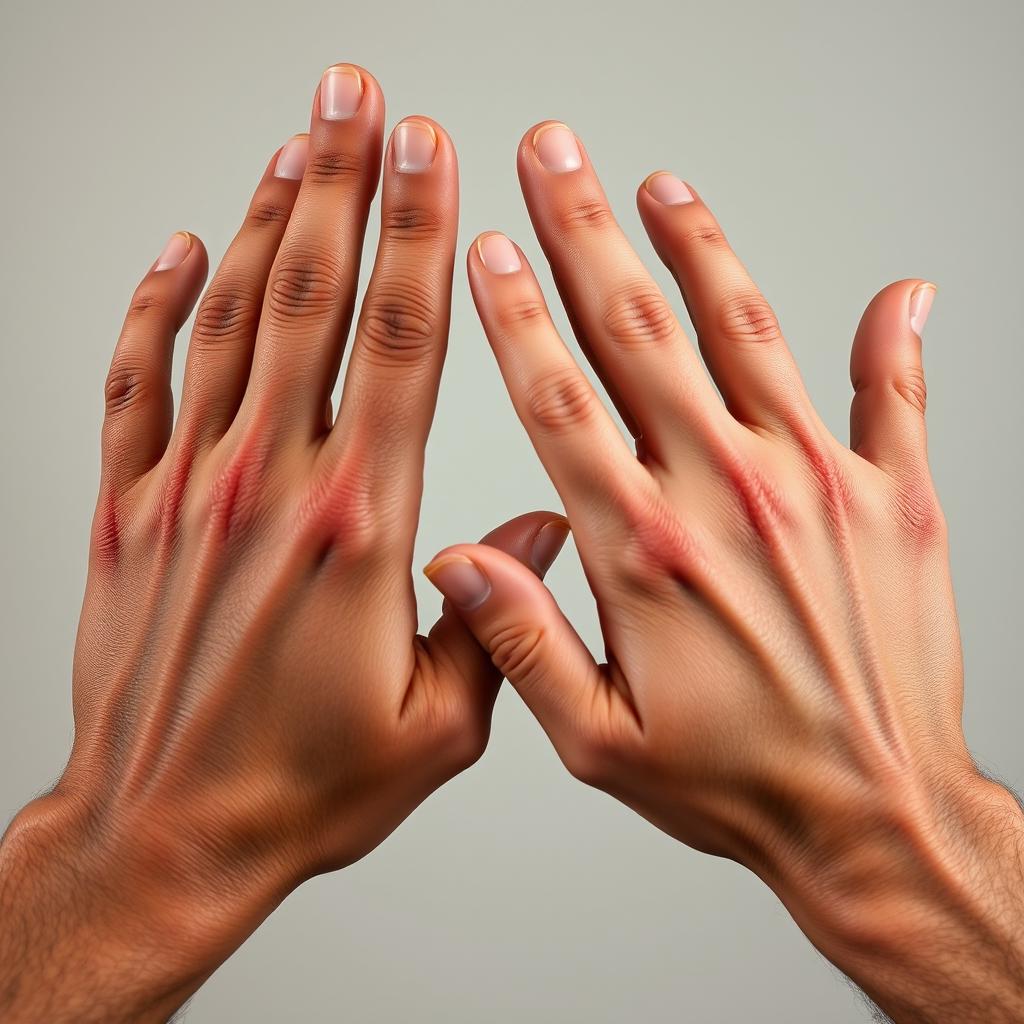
252, 706
784, 678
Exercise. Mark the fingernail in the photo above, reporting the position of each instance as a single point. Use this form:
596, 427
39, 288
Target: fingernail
460, 581
175, 251
921, 306
548, 542
498, 254
291, 162
414, 145
668, 189
341, 92
557, 148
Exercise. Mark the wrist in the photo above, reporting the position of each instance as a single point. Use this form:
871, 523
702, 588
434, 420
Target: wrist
100, 922
926, 911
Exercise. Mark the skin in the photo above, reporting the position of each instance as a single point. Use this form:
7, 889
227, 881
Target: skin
784, 680
252, 706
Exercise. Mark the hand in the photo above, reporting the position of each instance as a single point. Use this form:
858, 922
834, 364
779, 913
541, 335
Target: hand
251, 704
784, 677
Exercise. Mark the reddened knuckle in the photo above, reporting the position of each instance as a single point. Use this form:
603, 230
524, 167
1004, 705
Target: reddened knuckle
829, 477
333, 168
224, 313
400, 320
586, 214
918, 512
304, 284
762, 502
561, 400
232, 502
748, 318
637, 316
517, 650
340, 510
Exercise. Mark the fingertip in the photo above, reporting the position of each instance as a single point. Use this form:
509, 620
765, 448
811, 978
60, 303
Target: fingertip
347, 92
289, 162
662, 189
889, 325
496, 253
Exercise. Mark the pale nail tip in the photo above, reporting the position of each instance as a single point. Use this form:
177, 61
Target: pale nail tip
668, 190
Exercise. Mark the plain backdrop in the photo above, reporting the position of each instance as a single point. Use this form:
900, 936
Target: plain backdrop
842, 146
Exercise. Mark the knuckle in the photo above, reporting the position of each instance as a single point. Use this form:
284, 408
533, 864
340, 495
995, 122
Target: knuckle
918, 512
410, 223
911, 387
515, 316
831, 480
637, 316
304, 284
400, 320
763, 504
340, 509
333, 168
145, 305
517, 650
265, 212
660, 545
586, 214
705, 236
224, 313
126, 385
235, 493
748, 318
561, 400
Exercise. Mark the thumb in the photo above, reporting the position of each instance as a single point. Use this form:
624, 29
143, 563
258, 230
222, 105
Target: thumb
532, 541
517, 621
887, 424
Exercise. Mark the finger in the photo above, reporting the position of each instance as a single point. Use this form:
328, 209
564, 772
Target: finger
391, 384
220, 350
583, 451
622, 320
534, 540
516, 620
887, 425
736, 328
311, 291
139, 406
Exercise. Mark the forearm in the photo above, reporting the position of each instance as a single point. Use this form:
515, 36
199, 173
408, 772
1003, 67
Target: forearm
930, 923
86, 936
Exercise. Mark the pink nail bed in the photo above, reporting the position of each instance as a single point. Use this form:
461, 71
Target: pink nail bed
174, 252
668, 190
921, 306
341, 92
557, 149
291, 162
498, 254
414, 146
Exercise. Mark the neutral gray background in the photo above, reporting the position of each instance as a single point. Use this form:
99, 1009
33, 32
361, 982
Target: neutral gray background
843, 146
